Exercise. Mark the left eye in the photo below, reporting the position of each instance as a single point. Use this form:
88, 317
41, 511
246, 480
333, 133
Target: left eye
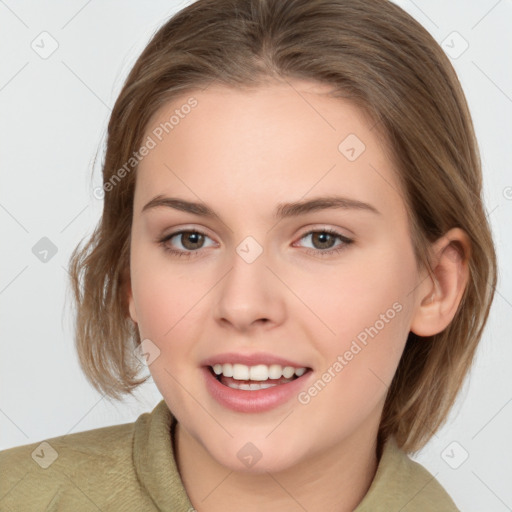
323, 240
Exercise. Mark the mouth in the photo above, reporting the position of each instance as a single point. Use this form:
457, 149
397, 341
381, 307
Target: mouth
254, 383
257, 377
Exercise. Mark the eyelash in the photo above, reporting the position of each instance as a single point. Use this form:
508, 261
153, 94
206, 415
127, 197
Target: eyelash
316, 252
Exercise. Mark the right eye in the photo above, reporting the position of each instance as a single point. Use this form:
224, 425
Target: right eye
191, 240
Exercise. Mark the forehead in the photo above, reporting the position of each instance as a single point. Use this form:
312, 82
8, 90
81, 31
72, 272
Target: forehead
271, 143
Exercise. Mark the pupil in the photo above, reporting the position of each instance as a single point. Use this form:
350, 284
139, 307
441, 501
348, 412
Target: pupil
191, 240
323, 242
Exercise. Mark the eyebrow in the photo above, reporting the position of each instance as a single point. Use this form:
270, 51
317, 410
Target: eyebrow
283, 210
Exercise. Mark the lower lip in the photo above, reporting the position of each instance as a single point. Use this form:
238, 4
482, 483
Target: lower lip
262, 400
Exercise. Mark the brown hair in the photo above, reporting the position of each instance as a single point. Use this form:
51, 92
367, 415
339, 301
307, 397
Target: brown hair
379, 57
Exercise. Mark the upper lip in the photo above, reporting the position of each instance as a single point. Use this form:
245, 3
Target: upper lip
250, 360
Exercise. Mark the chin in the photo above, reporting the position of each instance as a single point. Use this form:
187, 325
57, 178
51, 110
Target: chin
255, 458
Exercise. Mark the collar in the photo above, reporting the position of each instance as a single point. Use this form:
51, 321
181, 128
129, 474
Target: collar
153, 456
399, 482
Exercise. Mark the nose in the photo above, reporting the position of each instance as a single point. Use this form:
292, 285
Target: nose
250, 295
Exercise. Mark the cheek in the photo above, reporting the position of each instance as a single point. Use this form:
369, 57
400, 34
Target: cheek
166, 316
156, 295
367, 308
168, 300
156, 303
163, 293
369, 319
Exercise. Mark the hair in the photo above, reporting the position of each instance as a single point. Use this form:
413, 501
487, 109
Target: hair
378, 57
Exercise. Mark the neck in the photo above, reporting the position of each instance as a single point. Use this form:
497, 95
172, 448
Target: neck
335, 480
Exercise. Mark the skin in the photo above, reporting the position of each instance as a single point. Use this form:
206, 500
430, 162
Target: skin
242, 152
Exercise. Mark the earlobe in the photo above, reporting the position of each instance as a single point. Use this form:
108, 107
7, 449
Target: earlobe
439, 295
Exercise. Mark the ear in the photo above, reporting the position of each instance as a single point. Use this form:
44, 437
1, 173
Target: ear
438, 296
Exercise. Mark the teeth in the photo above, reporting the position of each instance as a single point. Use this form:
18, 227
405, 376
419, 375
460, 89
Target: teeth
260, 372
240, 372
251, 386
275, 371
288, 371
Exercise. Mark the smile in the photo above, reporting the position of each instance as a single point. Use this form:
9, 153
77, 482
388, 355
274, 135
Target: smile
256, 388
256, 377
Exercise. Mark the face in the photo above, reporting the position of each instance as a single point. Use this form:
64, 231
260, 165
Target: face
328, 288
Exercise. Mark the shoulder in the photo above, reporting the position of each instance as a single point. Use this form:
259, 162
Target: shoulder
403, 484
85, 470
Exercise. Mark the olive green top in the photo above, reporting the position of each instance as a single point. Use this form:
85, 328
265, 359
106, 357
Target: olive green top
132, 467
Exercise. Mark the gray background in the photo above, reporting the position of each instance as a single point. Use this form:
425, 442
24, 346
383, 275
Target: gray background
55, 110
